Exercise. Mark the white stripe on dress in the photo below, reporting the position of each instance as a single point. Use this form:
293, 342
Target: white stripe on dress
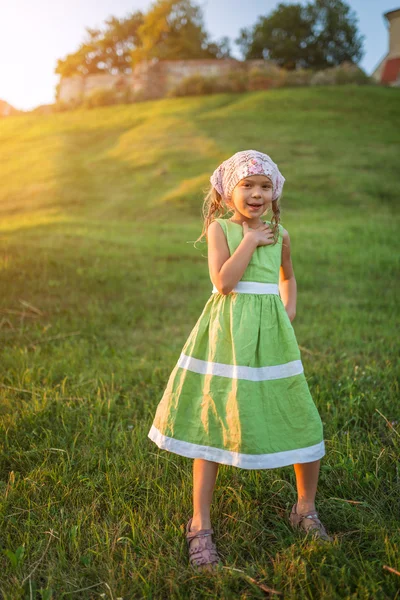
253, 287
237, 459
295, 367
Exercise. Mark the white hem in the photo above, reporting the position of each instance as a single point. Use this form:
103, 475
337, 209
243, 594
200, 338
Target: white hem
236, 459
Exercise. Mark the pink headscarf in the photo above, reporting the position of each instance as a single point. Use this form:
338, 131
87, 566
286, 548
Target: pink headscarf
243, 164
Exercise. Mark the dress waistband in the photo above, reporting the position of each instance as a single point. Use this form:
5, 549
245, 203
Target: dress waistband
253, 287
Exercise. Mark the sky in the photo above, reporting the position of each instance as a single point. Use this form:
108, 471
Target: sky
35, 34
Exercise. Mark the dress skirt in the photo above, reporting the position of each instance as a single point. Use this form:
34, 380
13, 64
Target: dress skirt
238, 394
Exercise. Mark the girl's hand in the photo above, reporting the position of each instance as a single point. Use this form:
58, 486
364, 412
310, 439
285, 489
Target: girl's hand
291, 313
261, 236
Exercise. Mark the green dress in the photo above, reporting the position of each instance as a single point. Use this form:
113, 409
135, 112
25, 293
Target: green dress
238, 394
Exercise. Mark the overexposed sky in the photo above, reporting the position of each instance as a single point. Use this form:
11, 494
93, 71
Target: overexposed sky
34, 34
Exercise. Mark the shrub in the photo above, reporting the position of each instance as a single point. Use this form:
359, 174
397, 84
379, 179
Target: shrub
342, 74
123, 95
298, 77
357, 76
195, 85
234, 81
138, 96
325, 77
62, 105
263, 78
43, 109
100, 97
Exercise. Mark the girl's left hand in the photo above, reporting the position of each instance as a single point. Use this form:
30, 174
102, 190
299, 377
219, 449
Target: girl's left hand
291, 313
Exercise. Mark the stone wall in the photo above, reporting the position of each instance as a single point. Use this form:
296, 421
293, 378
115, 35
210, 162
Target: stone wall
79, 86
152, 79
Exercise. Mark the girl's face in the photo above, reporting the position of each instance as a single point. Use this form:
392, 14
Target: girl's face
252, 190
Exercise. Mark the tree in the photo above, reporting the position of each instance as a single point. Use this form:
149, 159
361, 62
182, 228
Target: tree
174, 29
335, 34
318, 35
283, 36
171, 29
107, 51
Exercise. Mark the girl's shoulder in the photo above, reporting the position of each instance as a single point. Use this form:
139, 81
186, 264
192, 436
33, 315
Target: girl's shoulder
282, 229
284, 232
221, 221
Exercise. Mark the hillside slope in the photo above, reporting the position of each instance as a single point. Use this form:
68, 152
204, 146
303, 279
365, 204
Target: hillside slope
102, 284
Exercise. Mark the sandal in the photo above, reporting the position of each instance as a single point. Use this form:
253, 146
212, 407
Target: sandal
206, 552
316, 528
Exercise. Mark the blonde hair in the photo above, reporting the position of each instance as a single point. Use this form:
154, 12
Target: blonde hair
214, 207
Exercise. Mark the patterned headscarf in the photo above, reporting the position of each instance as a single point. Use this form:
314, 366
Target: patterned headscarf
244, 164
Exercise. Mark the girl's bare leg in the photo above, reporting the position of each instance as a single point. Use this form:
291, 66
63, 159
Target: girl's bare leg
204, 478
306, 482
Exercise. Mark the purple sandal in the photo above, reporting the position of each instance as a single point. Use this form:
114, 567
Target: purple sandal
315, 527
206, 552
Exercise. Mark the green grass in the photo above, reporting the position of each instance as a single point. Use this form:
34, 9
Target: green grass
99, 211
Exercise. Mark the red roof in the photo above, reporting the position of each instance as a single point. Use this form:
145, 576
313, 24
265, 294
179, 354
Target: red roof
391, 70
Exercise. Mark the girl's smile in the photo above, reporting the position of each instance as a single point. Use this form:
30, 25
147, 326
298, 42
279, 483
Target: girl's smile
251, 197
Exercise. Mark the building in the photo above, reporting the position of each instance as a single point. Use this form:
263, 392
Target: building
388, 70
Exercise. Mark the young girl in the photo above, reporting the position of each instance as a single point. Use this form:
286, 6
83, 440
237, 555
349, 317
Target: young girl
238, 394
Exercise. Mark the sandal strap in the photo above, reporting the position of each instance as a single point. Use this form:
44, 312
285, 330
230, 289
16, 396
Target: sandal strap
310, 516
206, 546
201, 533
316, 520
313, 514
206, 553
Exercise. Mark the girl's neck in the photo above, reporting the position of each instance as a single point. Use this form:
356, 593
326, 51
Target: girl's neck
250, 224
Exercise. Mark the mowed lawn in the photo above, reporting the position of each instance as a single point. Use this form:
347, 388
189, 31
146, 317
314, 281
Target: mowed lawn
101, 284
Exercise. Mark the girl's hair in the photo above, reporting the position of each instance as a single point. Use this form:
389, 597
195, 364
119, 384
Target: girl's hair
214, 207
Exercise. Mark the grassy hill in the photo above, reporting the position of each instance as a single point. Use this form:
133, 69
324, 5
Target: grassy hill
102, 284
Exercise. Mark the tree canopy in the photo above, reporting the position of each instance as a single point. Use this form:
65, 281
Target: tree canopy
317, 35
107, 51
320, 34
172, 29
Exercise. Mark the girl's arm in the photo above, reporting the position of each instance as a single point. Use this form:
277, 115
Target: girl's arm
287, 281
226, 270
